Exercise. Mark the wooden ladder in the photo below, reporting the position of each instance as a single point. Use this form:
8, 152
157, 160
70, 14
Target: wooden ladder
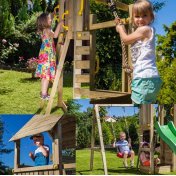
81, 64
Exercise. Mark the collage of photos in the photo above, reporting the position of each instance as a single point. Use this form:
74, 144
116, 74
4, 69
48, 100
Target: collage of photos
87, 87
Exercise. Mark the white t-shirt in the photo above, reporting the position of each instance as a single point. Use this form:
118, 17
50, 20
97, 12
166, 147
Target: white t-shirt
143, 58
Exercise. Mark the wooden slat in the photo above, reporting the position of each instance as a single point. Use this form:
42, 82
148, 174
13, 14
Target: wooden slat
36, 168
82, 64
85, 35
82, 78
69, 166
98, 94
82, 50
107, 24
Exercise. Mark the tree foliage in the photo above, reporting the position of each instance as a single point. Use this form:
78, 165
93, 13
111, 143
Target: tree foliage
3, 169
166, 61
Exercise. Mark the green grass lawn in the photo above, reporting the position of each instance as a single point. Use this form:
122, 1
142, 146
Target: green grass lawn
114, 164
19, 92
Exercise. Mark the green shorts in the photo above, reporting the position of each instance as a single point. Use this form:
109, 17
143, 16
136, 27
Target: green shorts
145, 90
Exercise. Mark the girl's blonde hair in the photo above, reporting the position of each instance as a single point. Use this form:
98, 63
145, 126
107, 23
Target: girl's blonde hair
42, 22
141, 7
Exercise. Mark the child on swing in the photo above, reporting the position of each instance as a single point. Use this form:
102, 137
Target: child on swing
146, 81
47, 56
124, 149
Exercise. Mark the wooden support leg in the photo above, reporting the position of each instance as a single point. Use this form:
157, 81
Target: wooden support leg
58, 74
101, 139
92, 143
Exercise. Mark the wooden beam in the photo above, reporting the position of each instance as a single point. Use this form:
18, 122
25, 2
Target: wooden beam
58, 74
82, 78
82, 50
69, 166
37, 168
17, 154
82, 64
96, 108
107, 24
100, 93
93, 19
92, 142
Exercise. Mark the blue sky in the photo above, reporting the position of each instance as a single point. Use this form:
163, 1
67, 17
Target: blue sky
167, 15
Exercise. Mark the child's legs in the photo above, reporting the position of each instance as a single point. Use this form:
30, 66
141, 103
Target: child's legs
132, 155
125, 155
44, 86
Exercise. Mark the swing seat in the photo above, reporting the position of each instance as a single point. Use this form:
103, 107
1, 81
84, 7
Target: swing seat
120, 155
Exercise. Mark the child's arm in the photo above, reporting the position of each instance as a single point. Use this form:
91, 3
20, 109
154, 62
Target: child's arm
140, 33
31, 155
44, 151
58, 28
114, 144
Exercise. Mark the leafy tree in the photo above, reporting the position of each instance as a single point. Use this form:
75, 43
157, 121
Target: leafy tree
3, 169
7, 21
37, 6
15, 6
43, 5
166, 54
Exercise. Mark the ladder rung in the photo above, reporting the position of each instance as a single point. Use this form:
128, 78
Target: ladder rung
82, 50
80, 35
82, 64
82, 78
145, 149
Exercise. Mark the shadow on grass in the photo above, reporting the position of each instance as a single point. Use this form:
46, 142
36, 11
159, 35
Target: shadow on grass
124, 171
5, 91
26, 80
1, 72
82, 171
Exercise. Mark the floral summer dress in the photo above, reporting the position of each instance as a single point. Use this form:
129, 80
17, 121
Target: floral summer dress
47, 59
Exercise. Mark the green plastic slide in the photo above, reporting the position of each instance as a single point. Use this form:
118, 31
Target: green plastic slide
167, 134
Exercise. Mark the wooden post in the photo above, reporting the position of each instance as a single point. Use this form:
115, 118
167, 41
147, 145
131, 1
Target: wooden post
70, 19
92, 52
17, 154
92, 142
59, 49
58, 74
57, 148
161, 121
101, 139
78, 26
151, 118
86, 14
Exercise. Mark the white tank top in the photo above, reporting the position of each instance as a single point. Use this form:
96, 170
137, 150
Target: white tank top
143, 58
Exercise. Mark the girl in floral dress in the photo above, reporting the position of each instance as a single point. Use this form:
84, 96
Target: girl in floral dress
47, 56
